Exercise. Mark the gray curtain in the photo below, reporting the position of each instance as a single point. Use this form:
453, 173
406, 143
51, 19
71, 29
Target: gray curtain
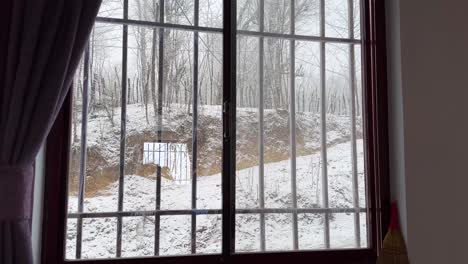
41, 42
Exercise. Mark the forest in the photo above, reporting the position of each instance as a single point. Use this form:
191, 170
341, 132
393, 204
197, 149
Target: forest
170, 52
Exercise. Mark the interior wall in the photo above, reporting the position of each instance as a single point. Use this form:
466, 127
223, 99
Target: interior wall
428, 77
395, 107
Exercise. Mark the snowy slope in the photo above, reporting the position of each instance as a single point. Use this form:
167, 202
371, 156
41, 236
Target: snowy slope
103, 138
99, 235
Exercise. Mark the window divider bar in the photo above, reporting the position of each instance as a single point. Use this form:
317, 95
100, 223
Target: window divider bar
374, 235
292, 122
323, 113
352, 80
299, 210
120, 21
298, 37
229, 129
157, 218
215, 212
194, 130
123, 118
83, 154
261, 168
154, 152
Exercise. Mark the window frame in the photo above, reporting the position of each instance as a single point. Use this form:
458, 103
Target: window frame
376, 145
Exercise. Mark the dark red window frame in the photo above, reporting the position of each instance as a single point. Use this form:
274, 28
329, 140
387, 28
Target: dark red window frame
375, 94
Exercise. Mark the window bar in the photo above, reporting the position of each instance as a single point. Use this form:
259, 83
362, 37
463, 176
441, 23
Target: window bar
362, 30
194, 130
352, 80
261, 147
229, 128
152, 24
83, 158
153, 147
292, 121
298, 37
120, 21
123, 121
323, 116
215, 212
157, 217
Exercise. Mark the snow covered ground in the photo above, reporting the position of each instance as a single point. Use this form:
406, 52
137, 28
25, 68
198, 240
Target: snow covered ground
99, 235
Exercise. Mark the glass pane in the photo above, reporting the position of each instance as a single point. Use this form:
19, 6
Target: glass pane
210, 125
211, 13
209, 234
311, 231
158, 141
342, 231
99, 236
269, 117
247, 118
146, 10
308, 125
362, 177
339, 127
276, 123
307, 15
104, 115
357, 18
75, 140
247, 232
175, 235
278, 16
176, 120
248, 15
364, 230
336, 18
70, 239
138, 236
179, 12
141, 122
278, 232
111, 8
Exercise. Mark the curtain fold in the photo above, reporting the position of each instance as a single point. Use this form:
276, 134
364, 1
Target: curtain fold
41, 43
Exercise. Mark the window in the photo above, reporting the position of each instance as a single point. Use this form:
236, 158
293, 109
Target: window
223, 128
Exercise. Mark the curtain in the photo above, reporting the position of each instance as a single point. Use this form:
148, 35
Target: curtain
41, 42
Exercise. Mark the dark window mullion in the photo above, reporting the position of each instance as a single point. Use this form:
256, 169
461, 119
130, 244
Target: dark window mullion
83, 157
323, 119
229, 128
194, 130
159, 126
123, 121
352, 81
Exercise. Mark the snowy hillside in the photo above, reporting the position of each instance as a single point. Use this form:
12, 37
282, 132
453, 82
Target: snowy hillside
99, 235
103, 139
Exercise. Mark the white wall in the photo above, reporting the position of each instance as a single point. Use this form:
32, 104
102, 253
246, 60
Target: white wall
428, 90
395, 105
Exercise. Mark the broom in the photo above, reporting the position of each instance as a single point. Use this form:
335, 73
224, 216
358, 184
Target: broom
393, 249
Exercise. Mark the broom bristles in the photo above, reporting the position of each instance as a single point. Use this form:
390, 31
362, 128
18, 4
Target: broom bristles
394, 248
